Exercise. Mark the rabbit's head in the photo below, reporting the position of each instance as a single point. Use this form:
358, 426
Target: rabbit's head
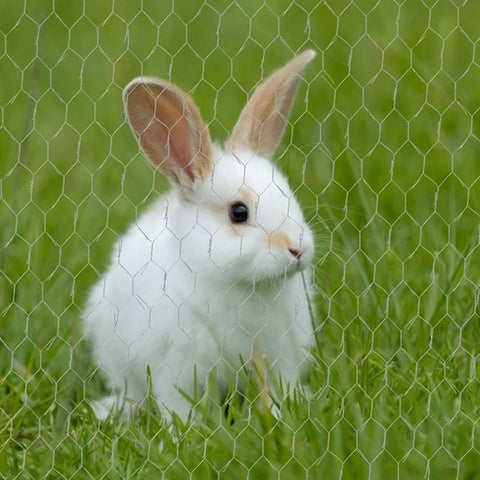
231, 208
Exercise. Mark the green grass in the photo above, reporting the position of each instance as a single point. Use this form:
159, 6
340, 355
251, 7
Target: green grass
385, 160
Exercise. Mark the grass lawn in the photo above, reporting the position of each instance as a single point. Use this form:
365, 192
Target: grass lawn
384, 153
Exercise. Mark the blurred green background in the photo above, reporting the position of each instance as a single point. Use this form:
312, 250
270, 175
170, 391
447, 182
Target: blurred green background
383, 152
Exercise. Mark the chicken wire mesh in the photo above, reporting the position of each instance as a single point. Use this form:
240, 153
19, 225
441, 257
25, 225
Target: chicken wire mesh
382, 153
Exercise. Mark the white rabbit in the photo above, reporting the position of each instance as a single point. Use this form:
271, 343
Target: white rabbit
210, 275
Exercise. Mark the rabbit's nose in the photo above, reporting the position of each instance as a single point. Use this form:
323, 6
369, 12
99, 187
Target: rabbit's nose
296, 253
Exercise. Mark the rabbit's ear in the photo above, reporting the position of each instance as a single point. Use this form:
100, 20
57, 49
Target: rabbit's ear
170, 129
262, 121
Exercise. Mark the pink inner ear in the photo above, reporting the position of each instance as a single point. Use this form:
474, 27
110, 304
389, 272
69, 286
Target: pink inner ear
262, 121
160, 119
175, 131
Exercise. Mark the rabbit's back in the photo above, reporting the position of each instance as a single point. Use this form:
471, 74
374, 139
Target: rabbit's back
122, 313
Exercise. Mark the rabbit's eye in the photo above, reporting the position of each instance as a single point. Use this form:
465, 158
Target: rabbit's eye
238, 212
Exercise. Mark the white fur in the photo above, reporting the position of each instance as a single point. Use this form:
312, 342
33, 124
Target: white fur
184, 290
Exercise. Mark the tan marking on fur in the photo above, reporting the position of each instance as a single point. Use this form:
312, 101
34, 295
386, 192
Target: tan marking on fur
262, 122
279, 240
233, 231
247, 196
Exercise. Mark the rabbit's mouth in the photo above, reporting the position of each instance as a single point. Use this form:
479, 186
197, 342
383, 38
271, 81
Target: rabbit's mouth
291, 267
296, 266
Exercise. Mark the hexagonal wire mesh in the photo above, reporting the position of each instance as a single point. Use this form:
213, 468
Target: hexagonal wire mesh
381, 150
